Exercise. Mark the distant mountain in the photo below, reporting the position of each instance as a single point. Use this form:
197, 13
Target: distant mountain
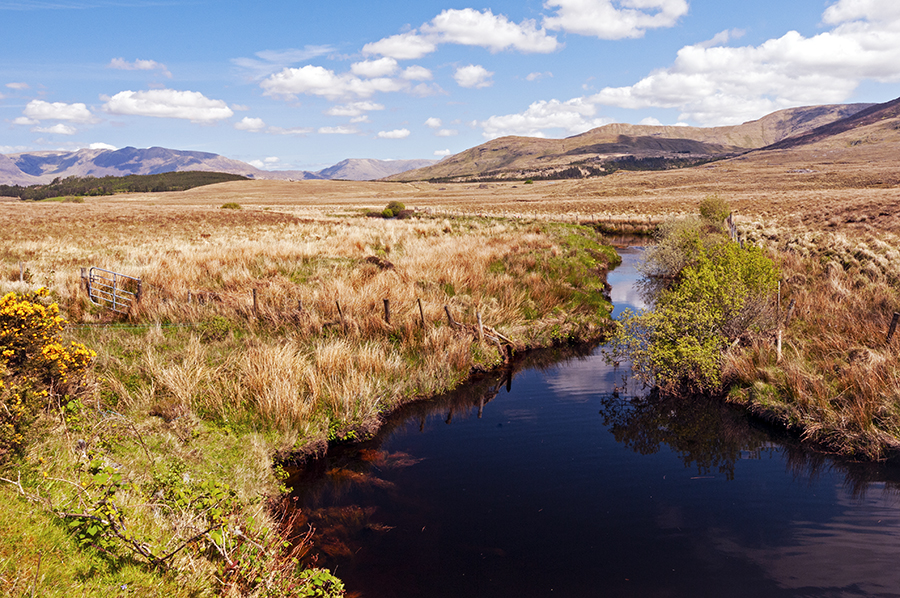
369, 170
32, 168
590, 152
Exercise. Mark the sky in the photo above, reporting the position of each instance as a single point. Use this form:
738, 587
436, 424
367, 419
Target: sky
305, 84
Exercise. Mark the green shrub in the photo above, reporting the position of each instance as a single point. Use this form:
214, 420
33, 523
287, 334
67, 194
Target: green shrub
231, 206
387, 213
396, 206
722, 293
714, 210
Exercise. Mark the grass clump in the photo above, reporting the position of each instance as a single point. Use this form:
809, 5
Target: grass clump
231, 205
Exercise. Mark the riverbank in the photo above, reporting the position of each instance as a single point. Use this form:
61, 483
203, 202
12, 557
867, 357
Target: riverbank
259, 333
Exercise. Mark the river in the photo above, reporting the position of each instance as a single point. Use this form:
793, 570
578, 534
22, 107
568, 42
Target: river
561, 477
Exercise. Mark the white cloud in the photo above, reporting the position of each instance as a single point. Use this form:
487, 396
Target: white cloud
447, 133
337, 131
24, 120
538, 76
473, 76
467, 27
354, 109
299, 131
424, 90
442, 153
404, 46
416, 73
102, 146
395, 134
654, 122
720, 85
138, 65
319, 81
573, 117
613, 19
18, 86
433, 122
257, 164
495, 32
41, 110
254, 125
382, 67
168, 103
57, 129
272, 61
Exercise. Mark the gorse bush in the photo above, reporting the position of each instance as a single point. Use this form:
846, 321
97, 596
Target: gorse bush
35, 365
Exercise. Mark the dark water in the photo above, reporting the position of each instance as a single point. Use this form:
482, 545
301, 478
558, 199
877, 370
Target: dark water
560, 478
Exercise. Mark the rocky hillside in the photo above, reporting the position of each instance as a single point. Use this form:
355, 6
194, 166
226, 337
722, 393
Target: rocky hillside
627, 146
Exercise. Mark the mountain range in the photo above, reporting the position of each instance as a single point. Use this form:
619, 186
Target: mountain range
35, 168
513, 158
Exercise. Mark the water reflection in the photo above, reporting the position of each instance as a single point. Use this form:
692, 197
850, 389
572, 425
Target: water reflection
560, 476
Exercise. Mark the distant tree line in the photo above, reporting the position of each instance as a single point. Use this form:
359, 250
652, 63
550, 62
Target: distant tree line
109, 185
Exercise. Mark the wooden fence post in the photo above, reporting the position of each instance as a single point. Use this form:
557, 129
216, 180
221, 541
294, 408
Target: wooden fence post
340, 312
480, 329
21, 272
387, 311
255, 305
893, 327
421, 312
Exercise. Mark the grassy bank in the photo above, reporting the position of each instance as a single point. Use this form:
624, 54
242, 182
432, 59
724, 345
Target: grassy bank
837, 382
176, 423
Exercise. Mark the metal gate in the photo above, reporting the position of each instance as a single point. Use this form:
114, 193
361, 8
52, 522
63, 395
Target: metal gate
112, 290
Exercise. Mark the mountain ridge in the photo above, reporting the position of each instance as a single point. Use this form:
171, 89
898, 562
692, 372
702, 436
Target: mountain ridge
34, 168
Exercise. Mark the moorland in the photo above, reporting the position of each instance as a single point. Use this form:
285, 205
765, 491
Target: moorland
178, 422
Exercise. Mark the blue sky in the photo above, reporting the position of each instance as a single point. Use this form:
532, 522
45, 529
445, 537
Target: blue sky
303, 85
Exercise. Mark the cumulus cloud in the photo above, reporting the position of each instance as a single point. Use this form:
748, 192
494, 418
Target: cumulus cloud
403, 46
18, 86
25, 121
442, 153
447, 133
433, 122
395, 134
416, 73
354, 109
37, 110
467, 27
382, 67
254, 125
613, 19
337, 131
473, 76
572, 117
102, 146
470, 27
720, 85
57, 129
319, 81
138, 65
168, 103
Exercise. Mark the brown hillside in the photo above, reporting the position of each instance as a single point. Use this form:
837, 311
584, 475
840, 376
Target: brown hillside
527, 157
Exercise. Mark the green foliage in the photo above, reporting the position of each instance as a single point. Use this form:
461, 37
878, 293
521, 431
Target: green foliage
108, 185
231, 205
319, 583
395, 207
714, 210
723, 291
387, 213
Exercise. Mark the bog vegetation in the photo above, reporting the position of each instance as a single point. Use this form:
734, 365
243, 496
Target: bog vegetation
259, 335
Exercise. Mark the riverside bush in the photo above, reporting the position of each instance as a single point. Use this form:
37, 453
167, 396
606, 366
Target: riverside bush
723, 291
